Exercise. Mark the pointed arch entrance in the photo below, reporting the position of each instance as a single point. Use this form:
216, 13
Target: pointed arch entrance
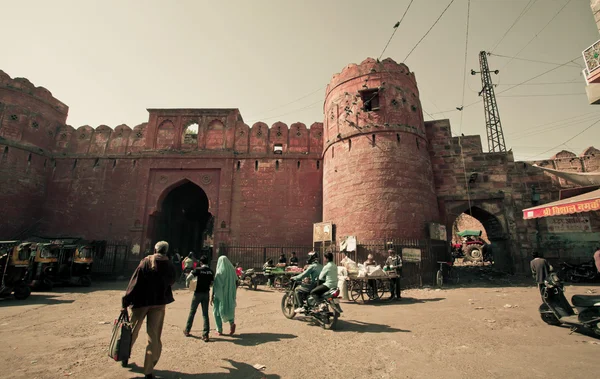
492, 218
182, 218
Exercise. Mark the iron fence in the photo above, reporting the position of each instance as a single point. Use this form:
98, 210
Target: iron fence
110, 258
413, 274
255, 256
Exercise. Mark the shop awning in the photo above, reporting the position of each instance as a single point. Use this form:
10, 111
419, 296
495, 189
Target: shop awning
580, 178
587, 202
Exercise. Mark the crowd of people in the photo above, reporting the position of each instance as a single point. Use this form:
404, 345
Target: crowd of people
150, 290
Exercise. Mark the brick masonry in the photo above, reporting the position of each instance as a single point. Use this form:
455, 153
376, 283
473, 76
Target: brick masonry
375, 174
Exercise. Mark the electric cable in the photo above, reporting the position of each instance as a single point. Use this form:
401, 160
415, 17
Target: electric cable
529, 5
396, 26
432, 26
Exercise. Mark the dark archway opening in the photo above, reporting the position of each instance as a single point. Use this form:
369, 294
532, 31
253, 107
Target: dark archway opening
490, 248
184, 220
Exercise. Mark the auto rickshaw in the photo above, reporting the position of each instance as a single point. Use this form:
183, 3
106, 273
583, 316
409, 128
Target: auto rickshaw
75, 264
44, 264
14, 267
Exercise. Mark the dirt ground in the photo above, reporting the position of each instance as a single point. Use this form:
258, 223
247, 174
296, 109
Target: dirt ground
485, 332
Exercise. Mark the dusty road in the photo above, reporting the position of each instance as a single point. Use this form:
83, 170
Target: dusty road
450, 333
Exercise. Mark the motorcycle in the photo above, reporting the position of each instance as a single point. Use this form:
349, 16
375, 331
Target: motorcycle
248, 278
556, 310
325, 311
585, 272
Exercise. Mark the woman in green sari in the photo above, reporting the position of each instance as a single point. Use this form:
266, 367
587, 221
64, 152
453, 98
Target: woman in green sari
223, 296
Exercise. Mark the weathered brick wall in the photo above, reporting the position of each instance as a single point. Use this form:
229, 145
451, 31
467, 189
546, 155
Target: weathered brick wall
22, 189
377, 178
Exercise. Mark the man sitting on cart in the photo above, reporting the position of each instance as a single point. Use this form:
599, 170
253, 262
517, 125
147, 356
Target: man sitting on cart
312, 272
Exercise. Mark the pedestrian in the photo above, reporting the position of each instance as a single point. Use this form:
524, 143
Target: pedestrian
188, 265
540, 269
597, 258
294, 259
394, 264
201, 297
177, 262
148, 293
267, 268
282, 260
224, 294
372, 284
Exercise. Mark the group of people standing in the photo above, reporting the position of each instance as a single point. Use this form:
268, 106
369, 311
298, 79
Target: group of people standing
149, 291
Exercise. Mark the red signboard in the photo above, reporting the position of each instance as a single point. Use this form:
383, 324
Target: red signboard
562, 209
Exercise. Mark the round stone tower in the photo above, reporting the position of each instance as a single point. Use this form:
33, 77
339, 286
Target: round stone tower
377, 173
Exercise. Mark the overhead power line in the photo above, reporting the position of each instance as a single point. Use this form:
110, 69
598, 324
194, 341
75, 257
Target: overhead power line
570, 139
432, 26
320, 101
529, 5
465, 65
396, 29
547, 95
293, 101
532, 60
538, 33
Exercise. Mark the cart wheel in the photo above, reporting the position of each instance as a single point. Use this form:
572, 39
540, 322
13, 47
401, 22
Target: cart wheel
356, 291
439, 278
383, 286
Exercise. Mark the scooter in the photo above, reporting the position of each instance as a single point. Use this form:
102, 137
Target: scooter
325, 311
556, 310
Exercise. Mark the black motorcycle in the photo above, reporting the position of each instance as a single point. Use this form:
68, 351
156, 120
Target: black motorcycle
584, 272
325, 311
556, 310
248, 279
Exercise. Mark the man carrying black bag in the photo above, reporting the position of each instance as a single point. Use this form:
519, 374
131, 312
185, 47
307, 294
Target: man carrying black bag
148, 293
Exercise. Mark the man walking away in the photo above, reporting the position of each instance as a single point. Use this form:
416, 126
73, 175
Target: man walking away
394, 262
540, 269
148, 293
201, 297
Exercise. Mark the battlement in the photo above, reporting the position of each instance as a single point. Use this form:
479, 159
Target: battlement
370, 66
210, 136
24, 86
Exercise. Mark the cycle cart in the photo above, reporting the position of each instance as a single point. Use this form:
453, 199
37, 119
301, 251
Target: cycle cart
370, 288
447, 275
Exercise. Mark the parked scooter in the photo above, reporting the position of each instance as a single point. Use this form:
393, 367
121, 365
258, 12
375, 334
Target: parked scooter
556, 310
248, 278
584, 272
325, 311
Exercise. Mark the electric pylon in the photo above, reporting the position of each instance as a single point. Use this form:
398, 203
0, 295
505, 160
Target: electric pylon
493, 125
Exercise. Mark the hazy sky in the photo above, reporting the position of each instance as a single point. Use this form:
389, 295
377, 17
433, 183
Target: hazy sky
110, 60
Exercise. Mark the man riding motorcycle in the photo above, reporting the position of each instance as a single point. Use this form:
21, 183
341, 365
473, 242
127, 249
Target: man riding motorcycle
328, 277
312, 272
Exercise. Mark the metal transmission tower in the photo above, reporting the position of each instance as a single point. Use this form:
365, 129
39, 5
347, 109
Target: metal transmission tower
492, 116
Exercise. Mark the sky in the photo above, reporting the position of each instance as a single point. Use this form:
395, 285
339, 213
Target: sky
111, 60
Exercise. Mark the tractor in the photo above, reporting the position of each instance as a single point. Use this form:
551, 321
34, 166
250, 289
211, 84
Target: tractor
472, 248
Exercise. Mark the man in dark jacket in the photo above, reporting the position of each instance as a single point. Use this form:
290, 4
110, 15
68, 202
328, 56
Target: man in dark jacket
540, 269
205, 278
148, 293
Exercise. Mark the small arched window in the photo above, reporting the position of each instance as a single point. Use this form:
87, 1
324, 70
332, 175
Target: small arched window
237, 166
190, 134
349, 144
373, 140
276, 165
255, 165
398, 137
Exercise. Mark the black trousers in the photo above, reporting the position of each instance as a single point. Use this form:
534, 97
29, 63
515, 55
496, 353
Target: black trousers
395, 287
318, 291
302, 293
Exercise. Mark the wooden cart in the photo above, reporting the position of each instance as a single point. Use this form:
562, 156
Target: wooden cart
366, 288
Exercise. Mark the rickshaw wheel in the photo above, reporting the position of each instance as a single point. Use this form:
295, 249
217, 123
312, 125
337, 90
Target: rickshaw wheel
85, 281
22, 292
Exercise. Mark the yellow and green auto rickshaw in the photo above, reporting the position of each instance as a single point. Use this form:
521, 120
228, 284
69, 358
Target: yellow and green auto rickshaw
75, 264
44, 264
14, 268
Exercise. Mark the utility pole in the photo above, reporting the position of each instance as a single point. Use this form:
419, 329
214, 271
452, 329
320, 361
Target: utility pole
492, 116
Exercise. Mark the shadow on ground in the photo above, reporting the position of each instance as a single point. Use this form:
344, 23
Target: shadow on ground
238, 370
248, 339
403, 301
34, 299
365, 327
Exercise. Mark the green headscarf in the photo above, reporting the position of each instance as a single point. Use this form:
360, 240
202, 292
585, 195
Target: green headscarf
224, 289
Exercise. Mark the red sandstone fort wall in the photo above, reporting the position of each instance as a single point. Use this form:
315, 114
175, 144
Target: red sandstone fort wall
105, 183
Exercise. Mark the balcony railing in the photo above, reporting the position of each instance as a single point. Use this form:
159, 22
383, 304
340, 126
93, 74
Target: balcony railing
591, 56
